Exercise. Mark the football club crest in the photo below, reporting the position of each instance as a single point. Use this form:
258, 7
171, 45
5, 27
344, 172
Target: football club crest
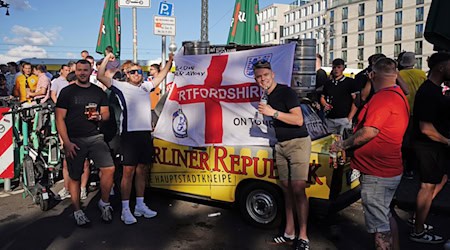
179, 124
251, 60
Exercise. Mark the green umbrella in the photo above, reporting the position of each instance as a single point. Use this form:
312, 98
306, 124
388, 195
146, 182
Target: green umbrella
109, 33
244, 25
437, 29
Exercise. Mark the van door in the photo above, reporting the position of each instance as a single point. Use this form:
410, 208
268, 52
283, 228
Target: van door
181, 168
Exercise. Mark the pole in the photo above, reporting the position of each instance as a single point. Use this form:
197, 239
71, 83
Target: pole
163, 62
7, 186
204, 24
325, 47
134, 35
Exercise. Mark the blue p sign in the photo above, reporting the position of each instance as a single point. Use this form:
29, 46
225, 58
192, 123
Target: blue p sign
165, 9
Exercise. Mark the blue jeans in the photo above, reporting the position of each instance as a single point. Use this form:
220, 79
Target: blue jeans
376, 196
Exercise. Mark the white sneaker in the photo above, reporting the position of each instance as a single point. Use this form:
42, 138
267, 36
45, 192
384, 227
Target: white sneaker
145, 211
127, 217
64, 194
83, 194
80, 218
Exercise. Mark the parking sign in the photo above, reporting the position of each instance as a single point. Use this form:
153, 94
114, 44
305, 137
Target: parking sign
165, 9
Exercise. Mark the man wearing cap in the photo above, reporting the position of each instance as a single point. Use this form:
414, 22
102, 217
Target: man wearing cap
413, 78
292, 151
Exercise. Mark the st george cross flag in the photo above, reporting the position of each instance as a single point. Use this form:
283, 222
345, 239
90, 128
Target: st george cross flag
214, 98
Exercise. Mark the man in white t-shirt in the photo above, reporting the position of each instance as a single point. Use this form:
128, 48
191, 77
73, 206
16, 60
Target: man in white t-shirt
60, 82
135, 138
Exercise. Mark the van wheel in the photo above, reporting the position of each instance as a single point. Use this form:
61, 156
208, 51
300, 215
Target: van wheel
261, 204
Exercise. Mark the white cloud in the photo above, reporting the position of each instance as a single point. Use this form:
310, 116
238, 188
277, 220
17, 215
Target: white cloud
20, 52
20, 4
25, 35
71, 55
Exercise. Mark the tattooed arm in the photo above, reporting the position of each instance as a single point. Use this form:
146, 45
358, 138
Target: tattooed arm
361, 137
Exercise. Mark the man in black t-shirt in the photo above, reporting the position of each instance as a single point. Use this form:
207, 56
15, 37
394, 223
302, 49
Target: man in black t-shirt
292, 151
430, 131
337, 99
78, 128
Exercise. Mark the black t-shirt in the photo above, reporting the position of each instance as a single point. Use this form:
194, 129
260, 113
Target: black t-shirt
361, 78
284, 99
338, 93
430, 105
74, 99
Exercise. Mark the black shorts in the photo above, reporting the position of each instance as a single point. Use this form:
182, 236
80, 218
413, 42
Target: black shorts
136, 148
431, 161
94, 148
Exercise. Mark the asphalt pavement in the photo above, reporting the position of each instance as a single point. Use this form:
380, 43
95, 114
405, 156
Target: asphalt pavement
184, 224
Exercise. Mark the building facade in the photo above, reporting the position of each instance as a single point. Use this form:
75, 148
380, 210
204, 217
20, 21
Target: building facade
355, 29
270, 20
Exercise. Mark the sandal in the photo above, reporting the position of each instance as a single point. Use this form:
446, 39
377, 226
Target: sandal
426, 227
281, 240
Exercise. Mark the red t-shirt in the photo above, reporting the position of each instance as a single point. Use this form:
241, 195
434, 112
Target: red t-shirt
389, 113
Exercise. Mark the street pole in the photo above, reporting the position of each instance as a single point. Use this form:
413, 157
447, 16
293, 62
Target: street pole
325, 47
163, 62
134, 35
204, 21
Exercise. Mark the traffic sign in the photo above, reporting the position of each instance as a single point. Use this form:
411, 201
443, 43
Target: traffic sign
164, 25
165, 9
134, 3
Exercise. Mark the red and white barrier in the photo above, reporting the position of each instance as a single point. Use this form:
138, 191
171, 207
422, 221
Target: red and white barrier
6, 145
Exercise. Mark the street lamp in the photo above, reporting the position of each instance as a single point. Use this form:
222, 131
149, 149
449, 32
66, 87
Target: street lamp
5, 5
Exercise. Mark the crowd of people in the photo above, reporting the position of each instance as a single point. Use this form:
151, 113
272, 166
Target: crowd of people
394, 119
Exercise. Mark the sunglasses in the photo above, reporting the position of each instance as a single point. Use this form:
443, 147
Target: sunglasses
262, 64
133, 71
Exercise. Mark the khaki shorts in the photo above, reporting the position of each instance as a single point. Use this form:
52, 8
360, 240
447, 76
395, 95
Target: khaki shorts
292, 158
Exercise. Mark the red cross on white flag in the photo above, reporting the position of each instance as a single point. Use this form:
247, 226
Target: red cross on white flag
214, 98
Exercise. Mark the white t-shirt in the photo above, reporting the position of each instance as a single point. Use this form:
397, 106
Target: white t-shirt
58, 84
135, 103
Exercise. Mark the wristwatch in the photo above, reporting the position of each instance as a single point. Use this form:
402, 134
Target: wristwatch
275, 115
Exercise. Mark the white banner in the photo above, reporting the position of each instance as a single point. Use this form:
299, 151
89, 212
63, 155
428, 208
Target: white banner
214, 98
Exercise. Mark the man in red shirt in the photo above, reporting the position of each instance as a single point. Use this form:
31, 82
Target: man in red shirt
377, 142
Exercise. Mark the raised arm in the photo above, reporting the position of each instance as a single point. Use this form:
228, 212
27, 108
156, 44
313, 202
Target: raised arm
163, 73
101, 76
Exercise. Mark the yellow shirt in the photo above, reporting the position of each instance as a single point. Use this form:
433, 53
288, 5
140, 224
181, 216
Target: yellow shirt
21, 86
413, 78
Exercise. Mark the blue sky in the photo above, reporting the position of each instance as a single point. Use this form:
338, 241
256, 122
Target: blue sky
62, 28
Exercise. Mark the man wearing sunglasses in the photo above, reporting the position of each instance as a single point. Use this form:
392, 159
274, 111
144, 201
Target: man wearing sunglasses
25, 83
136, 125
292, 151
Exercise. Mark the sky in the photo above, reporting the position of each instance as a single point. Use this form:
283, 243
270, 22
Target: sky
63, 28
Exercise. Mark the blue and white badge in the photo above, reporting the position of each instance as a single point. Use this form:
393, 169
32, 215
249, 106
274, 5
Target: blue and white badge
179, 124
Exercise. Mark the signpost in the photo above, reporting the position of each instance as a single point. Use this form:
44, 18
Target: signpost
134, 4
164, 25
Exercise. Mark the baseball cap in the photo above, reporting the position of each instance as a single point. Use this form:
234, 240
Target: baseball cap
408, 59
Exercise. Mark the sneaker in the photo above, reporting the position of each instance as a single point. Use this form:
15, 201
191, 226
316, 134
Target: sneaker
145, 211
83, 194
63, 194
106, 213
302, 244
281, 240
426, 237
81, 218
426, 227
127, 217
